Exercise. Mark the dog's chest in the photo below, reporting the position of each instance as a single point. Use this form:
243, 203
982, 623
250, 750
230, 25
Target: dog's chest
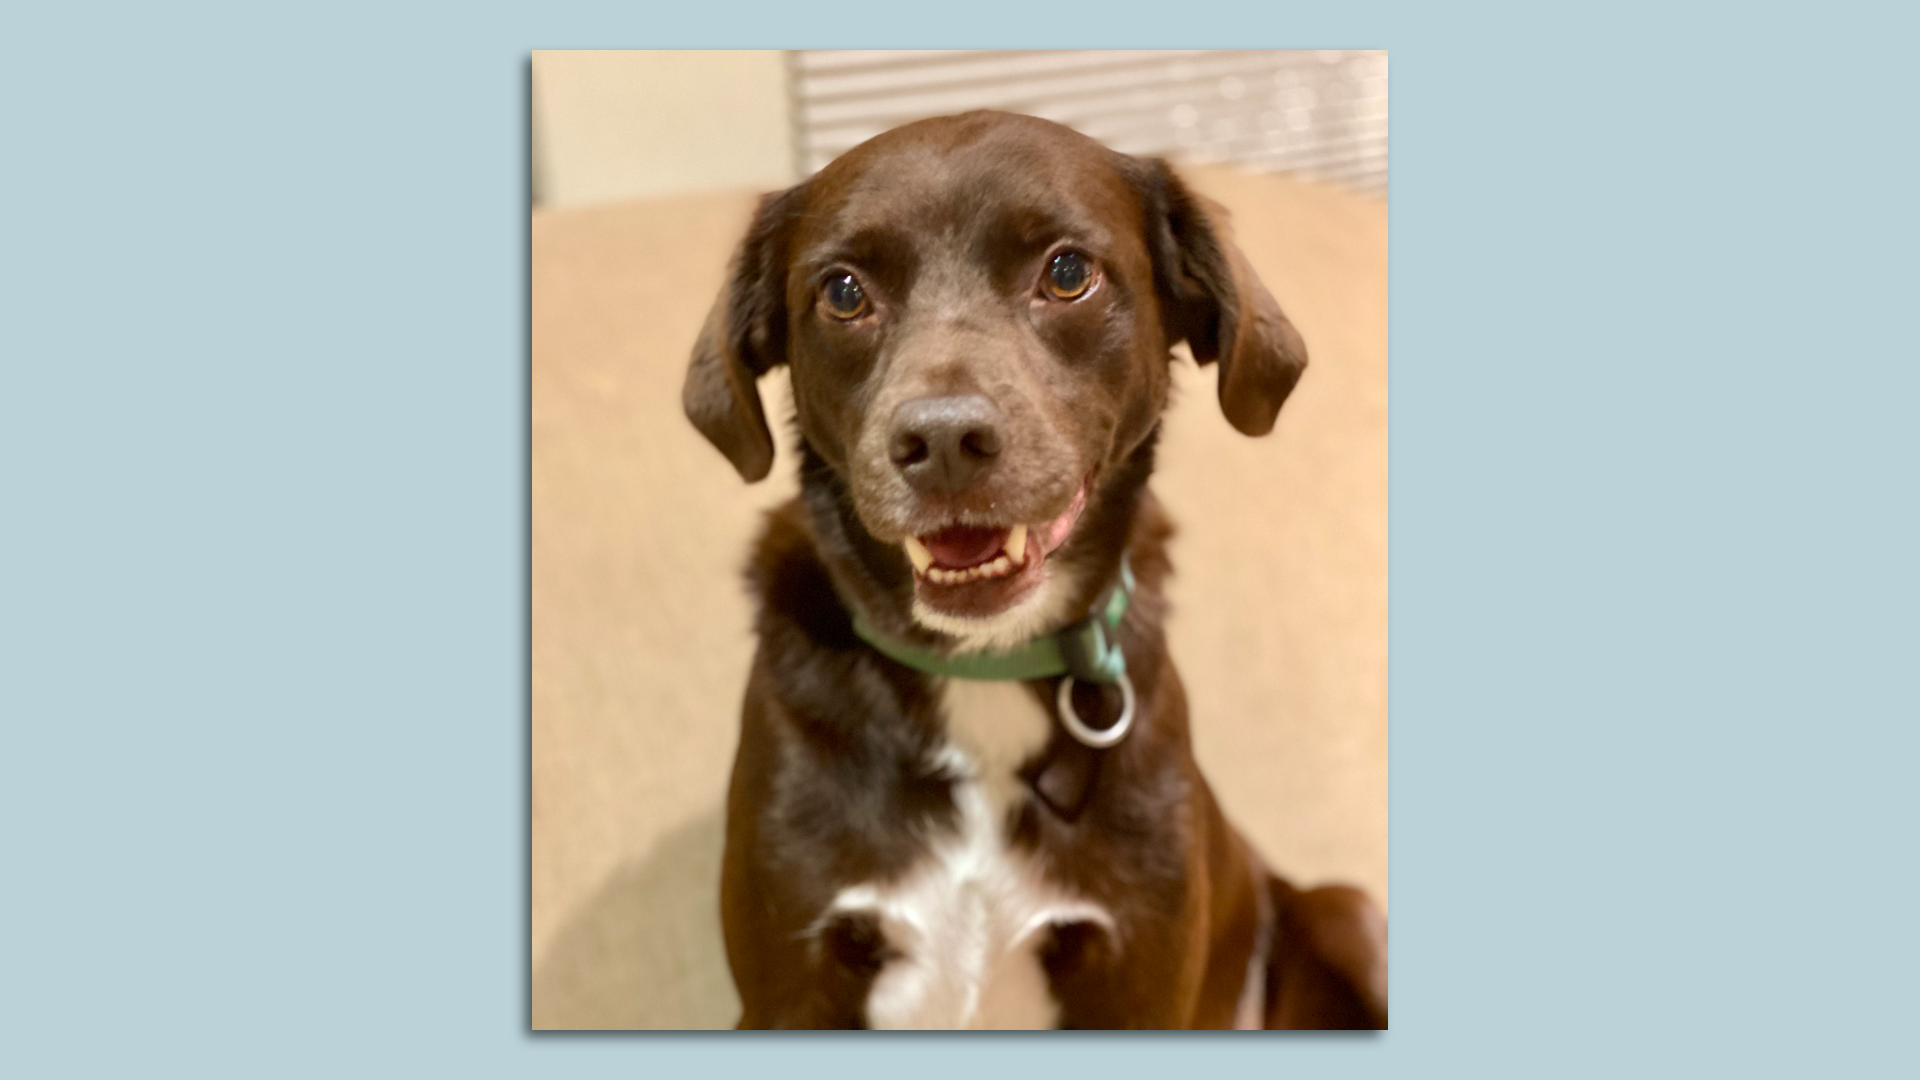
965, 922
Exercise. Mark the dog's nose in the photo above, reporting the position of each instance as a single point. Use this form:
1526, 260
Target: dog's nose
943, 443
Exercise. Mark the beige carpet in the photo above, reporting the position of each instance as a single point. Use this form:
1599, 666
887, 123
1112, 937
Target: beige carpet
640, 621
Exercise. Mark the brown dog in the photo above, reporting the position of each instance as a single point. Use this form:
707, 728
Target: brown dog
965, 794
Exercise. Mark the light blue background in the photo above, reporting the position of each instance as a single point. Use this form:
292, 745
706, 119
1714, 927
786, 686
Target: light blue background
262, 422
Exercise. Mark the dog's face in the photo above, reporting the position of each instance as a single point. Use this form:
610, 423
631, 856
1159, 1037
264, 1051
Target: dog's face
977, 312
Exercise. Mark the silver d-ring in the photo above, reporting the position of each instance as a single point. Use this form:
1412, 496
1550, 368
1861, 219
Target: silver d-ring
1087, 736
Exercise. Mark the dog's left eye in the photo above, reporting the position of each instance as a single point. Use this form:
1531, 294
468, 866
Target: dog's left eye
1068, 275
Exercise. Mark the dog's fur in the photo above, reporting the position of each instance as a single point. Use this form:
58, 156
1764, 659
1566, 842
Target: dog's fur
904, 850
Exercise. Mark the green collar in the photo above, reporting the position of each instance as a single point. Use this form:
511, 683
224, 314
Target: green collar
1087, 650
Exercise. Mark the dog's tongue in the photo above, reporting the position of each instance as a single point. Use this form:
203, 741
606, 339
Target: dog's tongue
960, 546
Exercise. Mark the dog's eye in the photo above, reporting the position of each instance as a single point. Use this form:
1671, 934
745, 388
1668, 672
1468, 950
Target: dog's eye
844, 297
1068, 275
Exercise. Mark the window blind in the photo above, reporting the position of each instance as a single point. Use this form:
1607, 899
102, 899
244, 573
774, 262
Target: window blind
1321, 113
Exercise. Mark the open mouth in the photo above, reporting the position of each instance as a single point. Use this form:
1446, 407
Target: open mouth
978, 570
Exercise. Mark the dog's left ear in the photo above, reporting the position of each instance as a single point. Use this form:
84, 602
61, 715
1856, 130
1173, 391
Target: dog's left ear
745, 337
1211, 299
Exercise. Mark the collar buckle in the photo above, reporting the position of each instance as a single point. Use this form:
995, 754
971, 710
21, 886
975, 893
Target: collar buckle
1091, 654
1088, 646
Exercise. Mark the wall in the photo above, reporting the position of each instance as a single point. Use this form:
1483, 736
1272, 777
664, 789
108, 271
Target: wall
614, 126
609, 126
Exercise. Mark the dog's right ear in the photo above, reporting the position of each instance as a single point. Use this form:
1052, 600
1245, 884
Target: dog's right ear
745, 337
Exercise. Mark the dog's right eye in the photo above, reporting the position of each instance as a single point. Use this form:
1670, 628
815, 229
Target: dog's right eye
843, 297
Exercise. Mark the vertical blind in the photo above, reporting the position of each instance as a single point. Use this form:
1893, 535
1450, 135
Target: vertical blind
1321, 113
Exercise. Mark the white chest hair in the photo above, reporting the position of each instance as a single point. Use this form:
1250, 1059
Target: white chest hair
966, 919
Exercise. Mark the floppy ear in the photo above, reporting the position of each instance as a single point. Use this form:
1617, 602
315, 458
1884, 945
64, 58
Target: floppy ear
745, 336
1211, 299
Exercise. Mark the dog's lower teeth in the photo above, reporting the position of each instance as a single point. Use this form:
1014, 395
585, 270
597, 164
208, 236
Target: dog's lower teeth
1000, 566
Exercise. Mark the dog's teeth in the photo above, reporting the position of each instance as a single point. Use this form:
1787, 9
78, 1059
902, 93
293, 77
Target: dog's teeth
1017, 544
1000, 566
917, 552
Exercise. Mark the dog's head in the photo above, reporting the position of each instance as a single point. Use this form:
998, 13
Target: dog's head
977, 312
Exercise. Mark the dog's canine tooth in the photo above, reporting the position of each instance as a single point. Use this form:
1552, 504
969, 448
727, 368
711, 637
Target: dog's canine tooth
1017, 544
918, 554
